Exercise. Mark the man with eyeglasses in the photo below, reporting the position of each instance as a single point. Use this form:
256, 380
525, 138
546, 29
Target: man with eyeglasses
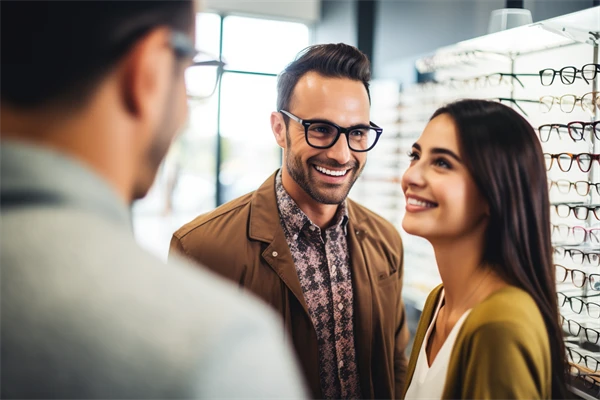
92, 95
330, 267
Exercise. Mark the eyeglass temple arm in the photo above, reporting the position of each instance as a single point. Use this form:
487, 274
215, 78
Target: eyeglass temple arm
292, 116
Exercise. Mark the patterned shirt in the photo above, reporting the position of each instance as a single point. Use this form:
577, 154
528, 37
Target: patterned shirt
323, 266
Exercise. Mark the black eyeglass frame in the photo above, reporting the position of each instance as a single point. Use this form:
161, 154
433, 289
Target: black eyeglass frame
582, 304
571, 73
307, 122
574, 253
579, 327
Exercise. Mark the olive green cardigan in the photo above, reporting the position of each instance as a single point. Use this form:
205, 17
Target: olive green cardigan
501, 351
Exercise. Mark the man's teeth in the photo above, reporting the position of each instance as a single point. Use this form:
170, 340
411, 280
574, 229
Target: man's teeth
420, 203
330, 172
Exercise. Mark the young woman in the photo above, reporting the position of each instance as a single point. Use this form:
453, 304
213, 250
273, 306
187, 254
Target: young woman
476, 189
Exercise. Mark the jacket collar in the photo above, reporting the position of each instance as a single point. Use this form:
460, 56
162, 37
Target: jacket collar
264, 225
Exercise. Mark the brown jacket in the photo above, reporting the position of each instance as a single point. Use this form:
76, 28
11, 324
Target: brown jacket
243, 241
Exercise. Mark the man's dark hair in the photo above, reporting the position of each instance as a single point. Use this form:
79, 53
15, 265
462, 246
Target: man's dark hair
59, 51
330, 60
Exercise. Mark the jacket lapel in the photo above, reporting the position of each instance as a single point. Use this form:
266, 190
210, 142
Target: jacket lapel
265, 226
363, 296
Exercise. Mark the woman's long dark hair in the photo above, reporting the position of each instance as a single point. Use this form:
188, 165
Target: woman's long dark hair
505, 158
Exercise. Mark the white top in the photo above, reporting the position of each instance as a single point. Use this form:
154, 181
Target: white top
428, 381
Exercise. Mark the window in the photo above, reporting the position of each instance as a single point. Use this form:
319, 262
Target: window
227, 148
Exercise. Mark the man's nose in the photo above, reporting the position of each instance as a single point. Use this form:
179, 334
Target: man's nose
340, 151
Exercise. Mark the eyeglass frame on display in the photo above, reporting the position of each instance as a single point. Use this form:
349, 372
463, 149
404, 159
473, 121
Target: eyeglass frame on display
585, 329
593, 157
583, 357
340, 130
559, 100
552, 183
587, 231
515, 102
586, 277
574, 74
572, 207
583, 303
590, 380
571, 130
584, 254
486, 78
184, 47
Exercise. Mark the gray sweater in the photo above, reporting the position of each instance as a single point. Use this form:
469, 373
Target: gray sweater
86, 313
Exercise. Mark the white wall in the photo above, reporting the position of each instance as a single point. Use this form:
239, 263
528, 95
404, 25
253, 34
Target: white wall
307, 11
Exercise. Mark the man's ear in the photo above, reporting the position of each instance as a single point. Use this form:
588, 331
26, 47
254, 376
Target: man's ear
147, 75
279, 129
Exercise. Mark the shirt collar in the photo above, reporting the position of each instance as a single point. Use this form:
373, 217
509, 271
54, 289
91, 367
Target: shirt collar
294, 218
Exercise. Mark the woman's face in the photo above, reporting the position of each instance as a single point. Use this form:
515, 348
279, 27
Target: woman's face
442, 201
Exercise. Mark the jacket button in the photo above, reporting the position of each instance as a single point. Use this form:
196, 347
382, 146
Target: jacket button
274, 254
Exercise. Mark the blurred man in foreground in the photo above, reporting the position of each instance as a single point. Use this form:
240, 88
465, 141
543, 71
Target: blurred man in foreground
92, 95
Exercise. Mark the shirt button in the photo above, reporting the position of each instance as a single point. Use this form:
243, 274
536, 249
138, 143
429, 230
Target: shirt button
295, 237
340, 306
340, 364
312, 227
274, 254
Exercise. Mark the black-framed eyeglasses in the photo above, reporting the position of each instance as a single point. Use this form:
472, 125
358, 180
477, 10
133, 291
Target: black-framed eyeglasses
577, 305
581, 187
578, 277
578, 128
569, 74
580, 211
565, 161
577, 256
574, 328
202, 76
577, 358
322, 134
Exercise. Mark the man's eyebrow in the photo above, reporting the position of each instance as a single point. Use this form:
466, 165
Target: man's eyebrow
439, 150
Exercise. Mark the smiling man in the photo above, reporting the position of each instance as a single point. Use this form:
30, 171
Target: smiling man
332, 268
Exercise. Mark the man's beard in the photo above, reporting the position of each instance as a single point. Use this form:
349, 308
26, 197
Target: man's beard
161, 142
329, 194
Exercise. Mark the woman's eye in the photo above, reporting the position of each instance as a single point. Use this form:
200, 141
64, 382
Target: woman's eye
441, 162
413, 156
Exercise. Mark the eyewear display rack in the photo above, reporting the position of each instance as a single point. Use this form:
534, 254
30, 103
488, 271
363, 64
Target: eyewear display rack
505, 66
